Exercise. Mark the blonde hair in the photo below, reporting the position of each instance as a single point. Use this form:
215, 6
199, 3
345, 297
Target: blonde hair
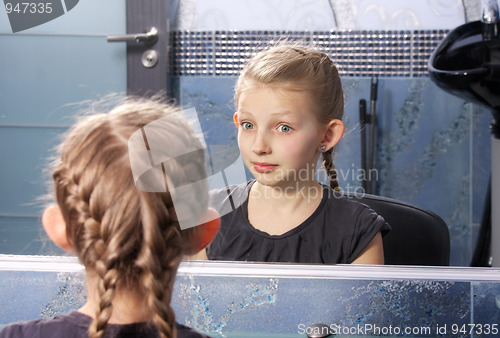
304, 68
129, 238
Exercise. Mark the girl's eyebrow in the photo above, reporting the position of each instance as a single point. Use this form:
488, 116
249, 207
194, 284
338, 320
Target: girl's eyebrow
244, 113
286, 115
283, 113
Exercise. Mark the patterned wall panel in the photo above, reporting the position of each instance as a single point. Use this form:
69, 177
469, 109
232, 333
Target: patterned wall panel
358, 53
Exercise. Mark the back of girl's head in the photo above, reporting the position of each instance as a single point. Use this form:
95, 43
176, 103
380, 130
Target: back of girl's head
127, 237
298, 67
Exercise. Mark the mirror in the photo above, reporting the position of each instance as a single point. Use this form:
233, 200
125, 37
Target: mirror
432, 149
421, 154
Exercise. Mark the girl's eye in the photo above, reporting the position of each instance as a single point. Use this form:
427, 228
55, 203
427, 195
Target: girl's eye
247, 125
284, 128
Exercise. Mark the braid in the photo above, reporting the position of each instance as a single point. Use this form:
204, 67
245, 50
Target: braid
106, 291
159, 260
91, 246
158, 299
108, 276
327, 157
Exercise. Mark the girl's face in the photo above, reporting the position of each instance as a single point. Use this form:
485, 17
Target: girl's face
278, 135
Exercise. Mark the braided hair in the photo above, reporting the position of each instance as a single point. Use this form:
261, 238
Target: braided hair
306, 69
126, 237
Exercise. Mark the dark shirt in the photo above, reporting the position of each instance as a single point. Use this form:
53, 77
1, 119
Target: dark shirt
75, 325
337, 231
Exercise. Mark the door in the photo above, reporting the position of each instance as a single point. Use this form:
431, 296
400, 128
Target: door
147, 46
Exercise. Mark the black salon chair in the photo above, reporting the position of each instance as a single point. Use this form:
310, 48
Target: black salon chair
418, 236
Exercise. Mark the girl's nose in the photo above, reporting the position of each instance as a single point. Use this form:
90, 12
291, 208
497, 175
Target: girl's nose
261, 145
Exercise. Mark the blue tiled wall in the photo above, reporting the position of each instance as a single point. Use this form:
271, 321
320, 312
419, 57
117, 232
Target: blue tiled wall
275, 305
294, 301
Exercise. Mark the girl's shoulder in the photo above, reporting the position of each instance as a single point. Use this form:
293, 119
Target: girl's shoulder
343, 201
349, 208
63, 325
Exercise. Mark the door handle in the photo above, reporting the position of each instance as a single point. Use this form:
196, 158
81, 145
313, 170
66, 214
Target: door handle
149, 37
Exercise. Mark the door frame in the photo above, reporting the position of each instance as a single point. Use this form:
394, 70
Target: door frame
140, 16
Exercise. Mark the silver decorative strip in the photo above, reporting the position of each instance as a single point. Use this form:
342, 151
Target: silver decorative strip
357, 53
273, 270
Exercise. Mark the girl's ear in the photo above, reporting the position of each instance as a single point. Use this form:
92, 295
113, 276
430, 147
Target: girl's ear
332, 134
205, 232
236, 121
55, 227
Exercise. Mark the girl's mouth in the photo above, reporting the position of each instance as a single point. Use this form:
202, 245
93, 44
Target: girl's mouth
264, 167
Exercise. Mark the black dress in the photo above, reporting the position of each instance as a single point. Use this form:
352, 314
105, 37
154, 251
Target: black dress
337, 231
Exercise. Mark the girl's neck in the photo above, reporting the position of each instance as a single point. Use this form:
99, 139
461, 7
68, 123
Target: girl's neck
287, 194
128, 306
278, 209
